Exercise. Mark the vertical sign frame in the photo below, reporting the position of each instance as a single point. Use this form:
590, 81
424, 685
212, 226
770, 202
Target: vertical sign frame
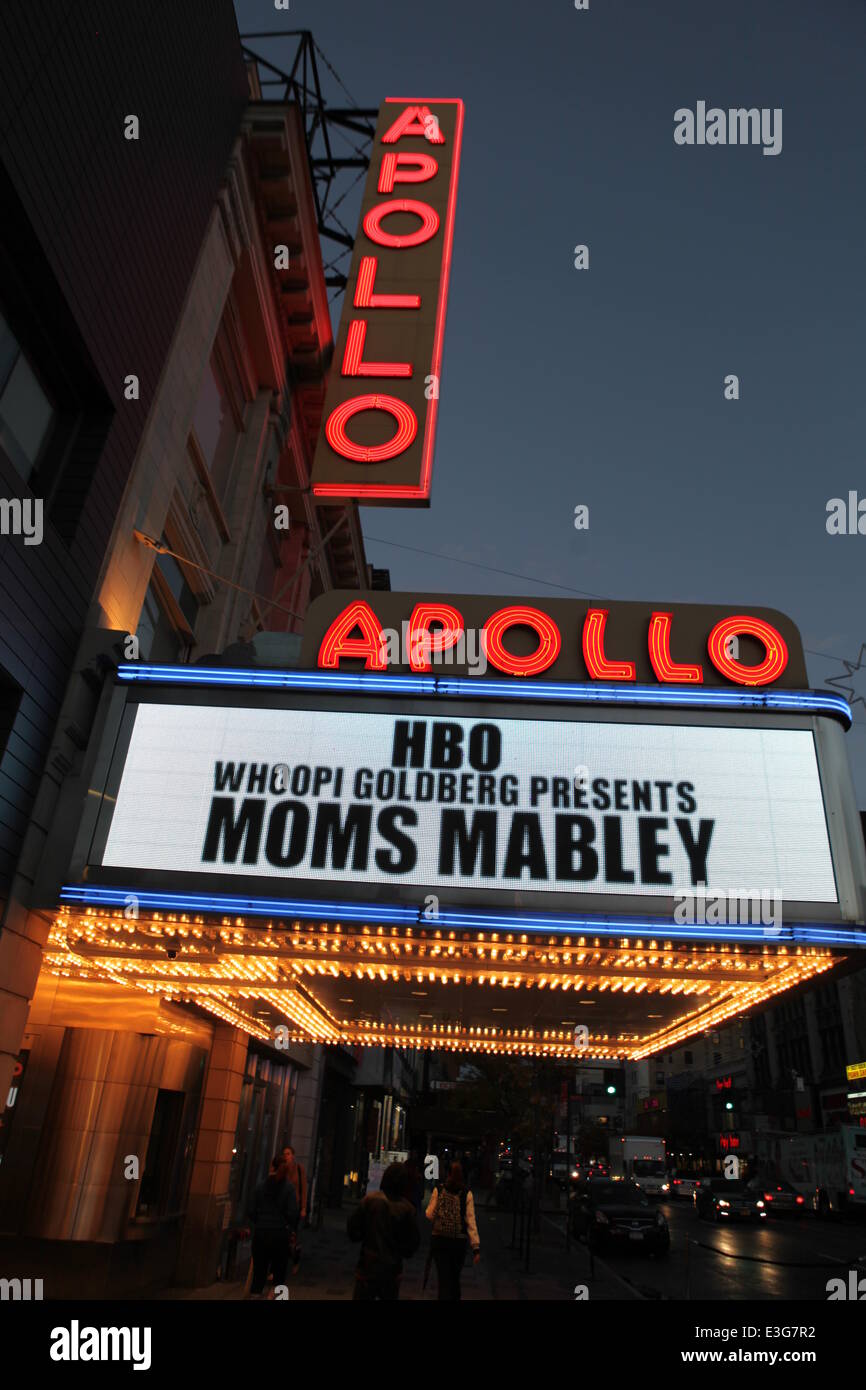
379, 424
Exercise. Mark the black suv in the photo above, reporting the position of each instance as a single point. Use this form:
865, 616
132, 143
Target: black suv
617, 1215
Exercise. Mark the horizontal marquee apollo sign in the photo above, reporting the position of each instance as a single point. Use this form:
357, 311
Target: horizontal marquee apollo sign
376, 443
553, 639
455, 802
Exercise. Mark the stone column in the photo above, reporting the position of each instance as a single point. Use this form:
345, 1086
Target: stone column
209, 1184
305, 1119
22, 939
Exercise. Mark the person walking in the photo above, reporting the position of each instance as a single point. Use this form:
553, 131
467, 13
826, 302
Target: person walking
298, 1178
386, 1224
415, 1177
271, 1214
452, 1212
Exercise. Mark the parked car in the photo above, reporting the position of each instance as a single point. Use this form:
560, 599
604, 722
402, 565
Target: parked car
617, 1215
728, 1199
780, 1198
683, 1184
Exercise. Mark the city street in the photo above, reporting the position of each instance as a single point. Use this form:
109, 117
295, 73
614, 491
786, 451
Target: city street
327, 1267
790, 1260
786, 1258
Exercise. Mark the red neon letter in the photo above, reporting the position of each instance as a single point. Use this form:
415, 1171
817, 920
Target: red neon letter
549, 640
414, 120
335, 429
352, 364
770, 669
337, 643
665, 667
429, 223
597, 664
396, 168
365, 296
422, 641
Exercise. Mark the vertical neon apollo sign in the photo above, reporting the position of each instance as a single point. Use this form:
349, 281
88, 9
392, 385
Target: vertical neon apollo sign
376, 444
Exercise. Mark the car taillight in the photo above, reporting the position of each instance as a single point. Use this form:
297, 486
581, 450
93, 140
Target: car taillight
800, 1201
768, 1196
677, 1182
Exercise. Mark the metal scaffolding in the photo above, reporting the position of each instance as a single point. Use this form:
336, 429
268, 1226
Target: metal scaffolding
301, 84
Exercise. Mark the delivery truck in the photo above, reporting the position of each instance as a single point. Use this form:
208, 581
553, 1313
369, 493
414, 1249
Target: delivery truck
828, 1169
641, 1159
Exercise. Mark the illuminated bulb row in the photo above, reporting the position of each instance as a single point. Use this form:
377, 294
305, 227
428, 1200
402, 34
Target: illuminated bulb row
681, 961
744, 998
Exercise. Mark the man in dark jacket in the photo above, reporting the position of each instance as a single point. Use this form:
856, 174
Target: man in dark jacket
386, 1224
272, 1213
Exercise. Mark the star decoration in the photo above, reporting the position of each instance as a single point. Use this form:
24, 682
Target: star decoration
853, 683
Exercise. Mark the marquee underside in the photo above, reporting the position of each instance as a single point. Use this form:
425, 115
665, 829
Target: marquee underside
372, 985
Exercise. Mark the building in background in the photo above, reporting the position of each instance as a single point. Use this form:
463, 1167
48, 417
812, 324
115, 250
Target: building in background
164, 343
792, 1067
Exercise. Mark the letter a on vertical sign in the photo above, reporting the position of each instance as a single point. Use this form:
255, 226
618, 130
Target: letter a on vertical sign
376, 443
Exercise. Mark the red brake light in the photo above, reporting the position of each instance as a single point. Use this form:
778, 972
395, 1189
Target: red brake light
800, 1200
768, 1196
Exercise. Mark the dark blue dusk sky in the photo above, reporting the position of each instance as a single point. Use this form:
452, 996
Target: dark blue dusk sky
605, 387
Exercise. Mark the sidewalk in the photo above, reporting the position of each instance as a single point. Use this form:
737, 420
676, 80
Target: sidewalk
328, 1260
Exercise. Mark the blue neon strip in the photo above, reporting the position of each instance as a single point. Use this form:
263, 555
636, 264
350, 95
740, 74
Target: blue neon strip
371, 683
811, 933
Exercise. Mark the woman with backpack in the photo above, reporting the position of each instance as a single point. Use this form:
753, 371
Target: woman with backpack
452, 1211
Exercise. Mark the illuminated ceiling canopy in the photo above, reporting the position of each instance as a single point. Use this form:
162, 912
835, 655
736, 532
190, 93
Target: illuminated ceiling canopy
368, 985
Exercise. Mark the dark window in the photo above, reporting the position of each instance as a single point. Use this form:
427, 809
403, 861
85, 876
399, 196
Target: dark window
161, 1149
10, 699
54, 411
26, 413
166, 627
218, 419
186, 600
